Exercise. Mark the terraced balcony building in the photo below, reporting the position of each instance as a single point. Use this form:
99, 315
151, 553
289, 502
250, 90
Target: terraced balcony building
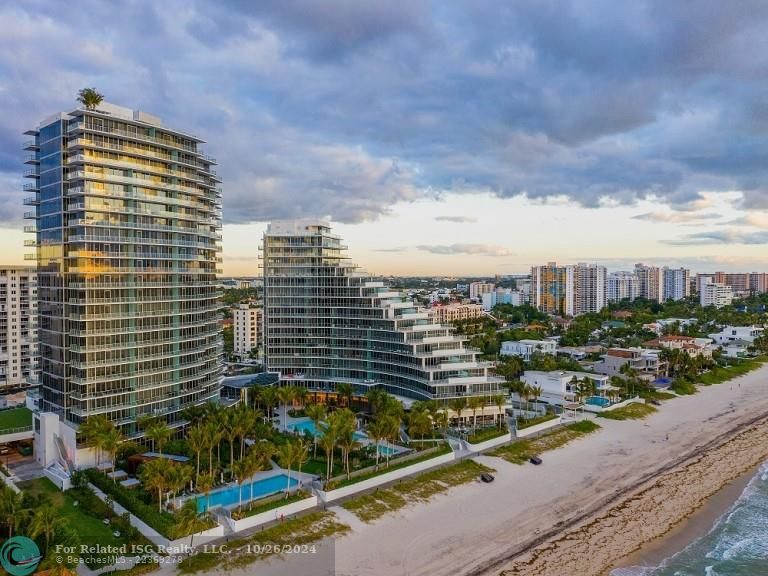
327, 322
127, 224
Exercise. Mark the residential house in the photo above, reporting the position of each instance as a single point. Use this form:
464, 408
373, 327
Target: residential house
694, 347
526, 348
646, 362
559, 387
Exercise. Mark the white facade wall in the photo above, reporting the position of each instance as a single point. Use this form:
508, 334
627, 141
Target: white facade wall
715, 294
247, 329
621, 286
19, 354
477, 289
526, 348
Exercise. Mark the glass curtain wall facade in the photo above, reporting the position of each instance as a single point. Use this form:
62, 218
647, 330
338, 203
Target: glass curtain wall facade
128, 223
326, 322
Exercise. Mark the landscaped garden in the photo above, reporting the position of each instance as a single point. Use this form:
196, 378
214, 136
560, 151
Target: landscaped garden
69, 519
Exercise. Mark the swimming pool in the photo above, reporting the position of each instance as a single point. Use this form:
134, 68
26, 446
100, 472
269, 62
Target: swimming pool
387, 450
597, 401
309, 426
231, 496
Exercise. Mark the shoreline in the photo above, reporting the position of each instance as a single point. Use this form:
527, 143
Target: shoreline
694, 526
644, 514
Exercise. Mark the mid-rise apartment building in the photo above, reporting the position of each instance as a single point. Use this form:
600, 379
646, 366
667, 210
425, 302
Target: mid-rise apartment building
548, 288
650, 282
715, 294
676, 283
19, 357
477, 289
621, 285
584, 289
127, 224
447, 313
247, 330
327, 322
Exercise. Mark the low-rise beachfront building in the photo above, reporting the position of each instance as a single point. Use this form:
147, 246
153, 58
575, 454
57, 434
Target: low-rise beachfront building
694, 347
736, 341
644, 361
561, 387
525, 349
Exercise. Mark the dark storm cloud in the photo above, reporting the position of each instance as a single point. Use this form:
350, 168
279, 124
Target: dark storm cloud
343, 108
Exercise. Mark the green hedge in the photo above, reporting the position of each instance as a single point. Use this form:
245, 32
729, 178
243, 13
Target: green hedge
523, 423
484, 434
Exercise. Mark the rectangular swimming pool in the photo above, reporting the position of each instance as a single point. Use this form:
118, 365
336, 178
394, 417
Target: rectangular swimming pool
231, 496
309, 426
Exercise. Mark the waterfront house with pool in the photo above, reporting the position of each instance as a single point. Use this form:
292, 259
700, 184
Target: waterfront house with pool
561, 387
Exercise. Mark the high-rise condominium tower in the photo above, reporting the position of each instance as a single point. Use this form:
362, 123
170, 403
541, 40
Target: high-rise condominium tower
326, 322
128, 219
18, 328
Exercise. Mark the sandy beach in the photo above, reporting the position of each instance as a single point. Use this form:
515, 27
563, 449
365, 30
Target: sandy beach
590, 504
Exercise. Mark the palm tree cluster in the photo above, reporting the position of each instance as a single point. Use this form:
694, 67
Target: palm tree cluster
385, 425
102, 435
89, 98
525, 392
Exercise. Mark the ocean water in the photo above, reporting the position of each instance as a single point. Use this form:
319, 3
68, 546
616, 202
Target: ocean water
737, 544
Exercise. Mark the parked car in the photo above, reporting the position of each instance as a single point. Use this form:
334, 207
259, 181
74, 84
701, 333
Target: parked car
535, 460
487, 478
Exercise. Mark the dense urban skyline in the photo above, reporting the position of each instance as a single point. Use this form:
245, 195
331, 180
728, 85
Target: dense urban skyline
472, 139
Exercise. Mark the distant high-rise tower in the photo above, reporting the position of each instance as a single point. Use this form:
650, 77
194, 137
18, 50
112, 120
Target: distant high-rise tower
18, 328
548, 288
128, 219
650, 282
585, 289
326, 323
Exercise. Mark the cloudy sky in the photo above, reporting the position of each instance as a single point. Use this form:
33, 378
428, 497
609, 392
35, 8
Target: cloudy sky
469, 137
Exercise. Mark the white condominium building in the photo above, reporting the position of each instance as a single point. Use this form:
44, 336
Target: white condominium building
327, 322
18, 328
676, 283
715, 294
247, 329
525, 349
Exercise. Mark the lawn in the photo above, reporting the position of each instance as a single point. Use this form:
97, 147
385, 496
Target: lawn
739, 368
90, 529
634, 411
519, 452
301, 531
15, 418
421, 488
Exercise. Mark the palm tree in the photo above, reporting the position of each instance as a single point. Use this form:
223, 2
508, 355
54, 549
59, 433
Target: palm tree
248, 466
89, 98
288, 454
346, 391
392, 430
301, 395
159, 434
153, 477
375, 398
110, 442
376, 431
205, 485
229, 430
44, 523
240, 470
441, 420
316, 413
500, 401
213, 437
328, 444
245, 420
535, 393
475, 404
269, 398
285, 395
348, 443
419, 424
188, 521
94, 430
12, 511
458, 405
197, 439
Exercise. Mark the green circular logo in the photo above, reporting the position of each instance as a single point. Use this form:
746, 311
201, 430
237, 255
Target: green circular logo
19, 556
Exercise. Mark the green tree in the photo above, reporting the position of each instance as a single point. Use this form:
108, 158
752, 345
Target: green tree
89, 98
317, 414
475, 403
188, 521
346, 391
159, 434
458, 405
44, 524
197, 439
